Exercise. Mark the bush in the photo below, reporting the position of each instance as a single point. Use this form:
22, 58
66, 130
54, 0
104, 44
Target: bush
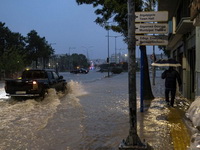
117, 70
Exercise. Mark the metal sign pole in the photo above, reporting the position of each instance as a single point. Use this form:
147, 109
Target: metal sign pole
133, 141
142, 82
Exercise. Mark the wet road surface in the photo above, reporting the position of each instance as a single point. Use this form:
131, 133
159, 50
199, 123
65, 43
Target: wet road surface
92, 116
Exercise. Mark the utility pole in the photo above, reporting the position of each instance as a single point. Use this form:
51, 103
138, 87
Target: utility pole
108, 59
116, 36
70, 61
132, 142
153, 68
87, 49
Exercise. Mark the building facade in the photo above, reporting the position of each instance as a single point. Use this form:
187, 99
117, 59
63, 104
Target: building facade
184, 46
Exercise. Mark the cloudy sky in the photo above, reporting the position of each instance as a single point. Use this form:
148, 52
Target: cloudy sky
69, 27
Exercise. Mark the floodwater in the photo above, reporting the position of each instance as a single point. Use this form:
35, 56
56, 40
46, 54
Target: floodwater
93, 115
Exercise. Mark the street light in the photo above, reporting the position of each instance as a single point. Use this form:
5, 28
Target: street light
108, 60
120, 53
70, 48
87, 48
116, 46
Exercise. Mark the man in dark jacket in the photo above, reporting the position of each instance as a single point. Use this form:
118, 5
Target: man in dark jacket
171, 76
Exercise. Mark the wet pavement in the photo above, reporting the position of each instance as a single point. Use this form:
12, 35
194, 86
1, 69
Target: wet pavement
164, 127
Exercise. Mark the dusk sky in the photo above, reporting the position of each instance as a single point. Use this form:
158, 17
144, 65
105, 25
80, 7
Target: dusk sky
68, 26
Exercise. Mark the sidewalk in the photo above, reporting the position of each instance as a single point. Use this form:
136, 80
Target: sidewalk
164, 127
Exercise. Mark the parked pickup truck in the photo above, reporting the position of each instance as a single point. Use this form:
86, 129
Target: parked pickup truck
34, 83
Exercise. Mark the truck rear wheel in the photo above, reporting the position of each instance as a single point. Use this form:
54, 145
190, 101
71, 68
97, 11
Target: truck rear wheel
42, 94
64, 88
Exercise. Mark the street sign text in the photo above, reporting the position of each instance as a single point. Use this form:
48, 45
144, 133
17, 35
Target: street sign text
152, 40
151, 16
151, 28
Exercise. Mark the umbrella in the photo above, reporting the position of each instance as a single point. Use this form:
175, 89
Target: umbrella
166, 63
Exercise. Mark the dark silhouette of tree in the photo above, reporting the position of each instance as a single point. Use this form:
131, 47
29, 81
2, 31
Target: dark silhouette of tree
38, 47
79, 60
12, 50
18, 52
112, 9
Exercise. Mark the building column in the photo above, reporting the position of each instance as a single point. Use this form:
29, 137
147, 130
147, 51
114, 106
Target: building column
197, 69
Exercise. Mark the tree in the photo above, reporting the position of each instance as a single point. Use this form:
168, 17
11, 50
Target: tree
149, 5
12, 48
38, 48
10, 39
117, 11
45, 52
15, 64
79, 60
112, 9
4, 31
21, 51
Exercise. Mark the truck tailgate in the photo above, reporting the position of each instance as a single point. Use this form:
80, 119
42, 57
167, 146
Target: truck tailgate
18, 85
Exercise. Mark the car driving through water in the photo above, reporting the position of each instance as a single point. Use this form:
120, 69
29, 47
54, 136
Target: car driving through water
35, 83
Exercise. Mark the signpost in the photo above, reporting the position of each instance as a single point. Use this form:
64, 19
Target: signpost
146, 25
151, 16
133, 141
151, 28
152, 40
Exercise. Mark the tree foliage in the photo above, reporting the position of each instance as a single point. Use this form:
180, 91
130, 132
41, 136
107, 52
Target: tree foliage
12, 49
38, 47
79, 60
15, 63
112, 11
17, 52
149, 5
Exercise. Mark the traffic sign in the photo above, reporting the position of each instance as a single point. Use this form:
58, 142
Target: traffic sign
152, 40
151, 28
151, 16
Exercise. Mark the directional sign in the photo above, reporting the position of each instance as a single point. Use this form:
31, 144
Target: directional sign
152, 40
151, 28
151, 16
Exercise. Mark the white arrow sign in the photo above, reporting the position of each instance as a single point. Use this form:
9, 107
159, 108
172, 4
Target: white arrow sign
151, 16
151, 28
152, 40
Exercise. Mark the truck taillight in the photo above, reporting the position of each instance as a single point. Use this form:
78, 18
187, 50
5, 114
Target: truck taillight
35, 85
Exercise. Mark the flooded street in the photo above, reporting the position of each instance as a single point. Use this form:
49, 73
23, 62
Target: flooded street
92, 116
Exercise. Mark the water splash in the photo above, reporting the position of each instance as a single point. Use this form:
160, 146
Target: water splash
3, 94
22, 120
76, 88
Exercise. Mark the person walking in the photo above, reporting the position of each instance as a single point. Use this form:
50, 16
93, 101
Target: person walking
171, 76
